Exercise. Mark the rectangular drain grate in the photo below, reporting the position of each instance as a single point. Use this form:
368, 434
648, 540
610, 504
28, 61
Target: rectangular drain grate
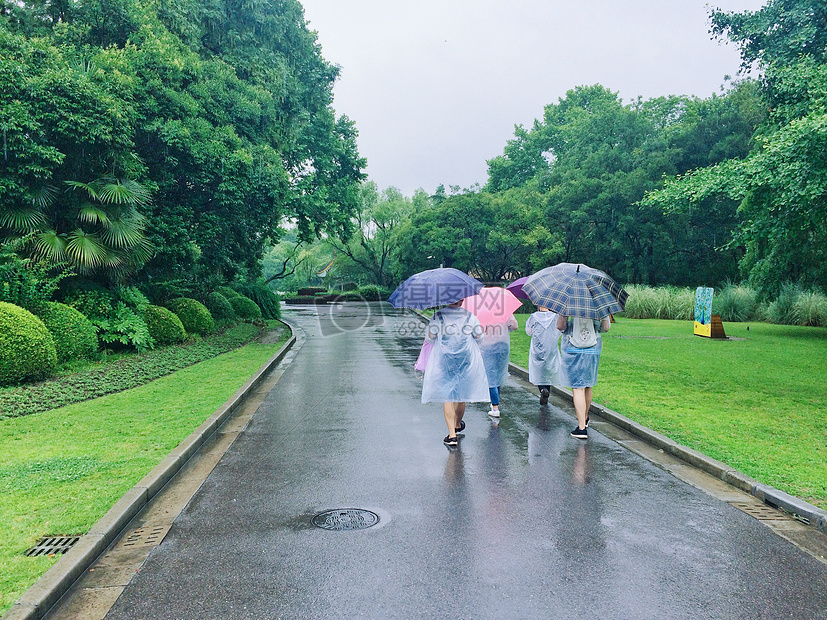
146, 536
761, 512
52, 545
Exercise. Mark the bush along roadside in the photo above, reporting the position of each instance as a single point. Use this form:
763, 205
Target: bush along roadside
114, 376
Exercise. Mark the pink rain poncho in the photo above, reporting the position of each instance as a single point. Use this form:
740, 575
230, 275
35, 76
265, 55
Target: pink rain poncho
543, 355
455, 371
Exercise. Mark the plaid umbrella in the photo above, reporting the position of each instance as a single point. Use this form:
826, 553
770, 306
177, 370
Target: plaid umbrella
434, 287
571, 289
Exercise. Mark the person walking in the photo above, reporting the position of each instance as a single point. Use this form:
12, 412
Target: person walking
496, 351
455, 374
579, 359
543, 354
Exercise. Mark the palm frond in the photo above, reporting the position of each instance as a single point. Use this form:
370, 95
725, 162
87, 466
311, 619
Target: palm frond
89, 187
121, 234
85, 249
43, 196
22, 220
93, 214
51, 246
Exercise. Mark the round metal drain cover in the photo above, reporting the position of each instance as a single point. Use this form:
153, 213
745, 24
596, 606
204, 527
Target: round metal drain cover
346, 519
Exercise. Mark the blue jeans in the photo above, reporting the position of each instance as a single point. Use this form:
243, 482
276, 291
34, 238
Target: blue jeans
495, 395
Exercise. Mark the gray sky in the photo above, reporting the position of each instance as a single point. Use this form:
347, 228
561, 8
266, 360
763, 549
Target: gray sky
435, 87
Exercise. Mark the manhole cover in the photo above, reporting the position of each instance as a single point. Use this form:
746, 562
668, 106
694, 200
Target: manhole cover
52, 545
345, 519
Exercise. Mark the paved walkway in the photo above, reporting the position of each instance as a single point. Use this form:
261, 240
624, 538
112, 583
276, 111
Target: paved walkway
521, 521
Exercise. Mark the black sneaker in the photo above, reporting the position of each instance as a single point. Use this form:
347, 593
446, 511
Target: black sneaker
587, 421
580, 433
461, 426
543, 397
450, 441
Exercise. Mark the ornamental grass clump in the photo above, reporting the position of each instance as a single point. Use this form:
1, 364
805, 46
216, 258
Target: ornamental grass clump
74, 335
164, 325
736, 303
810, 308
195, 317
781, 309
27, 349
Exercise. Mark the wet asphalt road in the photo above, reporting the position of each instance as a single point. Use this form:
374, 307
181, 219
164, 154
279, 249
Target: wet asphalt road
521, 521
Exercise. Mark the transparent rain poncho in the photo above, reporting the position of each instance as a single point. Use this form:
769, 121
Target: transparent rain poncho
496, 349
455, 371
543, 355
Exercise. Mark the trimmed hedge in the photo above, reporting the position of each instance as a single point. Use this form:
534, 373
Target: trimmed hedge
267, 301
74, 335
219, 307
194, 315
164, 325
227, 292
27, 349
245, 308
128, 372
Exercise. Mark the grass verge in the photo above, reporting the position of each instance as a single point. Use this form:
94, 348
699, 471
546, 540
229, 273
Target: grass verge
757, 402
62, 469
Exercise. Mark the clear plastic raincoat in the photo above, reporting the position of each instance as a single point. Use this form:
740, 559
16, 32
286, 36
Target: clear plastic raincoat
455, 371
544, 355
496, 349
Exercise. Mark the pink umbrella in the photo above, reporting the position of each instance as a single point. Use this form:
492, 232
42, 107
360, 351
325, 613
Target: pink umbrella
492, 305
516, 287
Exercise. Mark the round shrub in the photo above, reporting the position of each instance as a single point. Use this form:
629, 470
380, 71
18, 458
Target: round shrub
245, 308
193, 314
219, 307
75, 335
227, 292
27, 349
164, 325
265, 298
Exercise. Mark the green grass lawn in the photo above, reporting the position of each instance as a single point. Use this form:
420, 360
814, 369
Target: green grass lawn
61, 470
757, 402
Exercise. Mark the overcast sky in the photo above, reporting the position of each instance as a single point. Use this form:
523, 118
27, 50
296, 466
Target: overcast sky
435, 87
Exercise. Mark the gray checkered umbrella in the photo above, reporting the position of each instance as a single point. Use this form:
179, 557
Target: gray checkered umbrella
571, 289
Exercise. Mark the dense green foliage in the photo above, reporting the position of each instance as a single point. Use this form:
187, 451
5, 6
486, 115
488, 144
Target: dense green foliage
780, 190
25, 282
220, 309
245, 308
168, 141
27, 349
74, 335
264, 297
123, 373
163, 325
194, 316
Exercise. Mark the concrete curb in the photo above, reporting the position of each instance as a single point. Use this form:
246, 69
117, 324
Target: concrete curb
53, 584
812, 515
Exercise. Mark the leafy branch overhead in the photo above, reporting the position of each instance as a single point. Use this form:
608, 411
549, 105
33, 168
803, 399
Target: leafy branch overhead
189, 132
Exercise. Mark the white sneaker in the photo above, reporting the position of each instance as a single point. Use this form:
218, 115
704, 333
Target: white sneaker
494, 413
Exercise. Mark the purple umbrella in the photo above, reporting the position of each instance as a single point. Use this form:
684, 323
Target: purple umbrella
516, 288
435, 287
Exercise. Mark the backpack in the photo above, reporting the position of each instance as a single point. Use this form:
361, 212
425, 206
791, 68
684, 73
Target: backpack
582, 333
